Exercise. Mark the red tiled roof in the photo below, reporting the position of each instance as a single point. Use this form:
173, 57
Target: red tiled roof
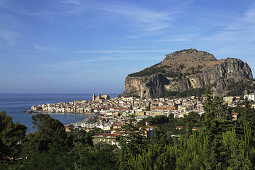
106, 134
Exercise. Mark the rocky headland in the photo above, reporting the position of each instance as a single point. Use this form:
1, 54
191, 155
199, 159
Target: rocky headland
190, 70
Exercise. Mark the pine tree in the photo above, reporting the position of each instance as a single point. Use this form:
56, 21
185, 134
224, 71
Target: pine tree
155, 157
11, 136
209, 105
49, 132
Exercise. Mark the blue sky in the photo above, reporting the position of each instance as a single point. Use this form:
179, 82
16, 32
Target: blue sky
79, 46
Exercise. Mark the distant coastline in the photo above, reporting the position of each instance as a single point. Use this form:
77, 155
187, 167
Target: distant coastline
74, 107
43, 112
15, 105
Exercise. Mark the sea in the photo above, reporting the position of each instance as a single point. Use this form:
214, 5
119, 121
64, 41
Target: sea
15, 105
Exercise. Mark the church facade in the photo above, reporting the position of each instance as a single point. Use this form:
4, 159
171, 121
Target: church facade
100, 97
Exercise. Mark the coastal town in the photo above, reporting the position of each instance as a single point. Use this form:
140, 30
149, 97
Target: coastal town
110, 115
127, 85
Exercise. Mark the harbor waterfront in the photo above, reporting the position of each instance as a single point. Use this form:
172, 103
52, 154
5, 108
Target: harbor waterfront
15, 105
111, 114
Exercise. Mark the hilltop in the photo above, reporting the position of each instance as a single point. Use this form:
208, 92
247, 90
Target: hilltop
188, 72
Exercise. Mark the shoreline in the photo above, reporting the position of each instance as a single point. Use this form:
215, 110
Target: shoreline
65, 113
32, 112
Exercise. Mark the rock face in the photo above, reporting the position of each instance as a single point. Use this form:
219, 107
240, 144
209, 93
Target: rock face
187, 70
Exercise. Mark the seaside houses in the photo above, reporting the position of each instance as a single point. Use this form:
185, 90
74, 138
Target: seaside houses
106, 138
112, 114
250, 97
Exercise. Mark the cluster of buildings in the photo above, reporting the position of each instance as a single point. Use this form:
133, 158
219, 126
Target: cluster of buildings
125, 106
234, 101
70, 107
110, 115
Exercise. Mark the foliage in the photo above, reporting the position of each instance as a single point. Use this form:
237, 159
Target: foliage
220, 142
93, 119
148, 71
101, 156
49, 132
155, 157
11, 136
214, 107
177, 75
155, 120
198, 92
237, 88
156, 69
81, 136
182, 66
53, 158
132, 141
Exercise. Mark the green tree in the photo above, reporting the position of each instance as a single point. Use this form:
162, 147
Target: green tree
214, 107
81, 136
132, 141
11, 137
49, 132
237, 150
155, 157
193, 152
99, 157
53, 158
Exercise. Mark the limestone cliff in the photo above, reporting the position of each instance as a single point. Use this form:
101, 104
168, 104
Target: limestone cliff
188, 70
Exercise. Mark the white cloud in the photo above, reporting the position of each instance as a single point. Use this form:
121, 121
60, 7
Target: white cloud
178, 38
73, 2
8, 35
239, 35
44, 48
119, 51
250, 15
8, 38
232, 37
140, 14
69, 64
145, 19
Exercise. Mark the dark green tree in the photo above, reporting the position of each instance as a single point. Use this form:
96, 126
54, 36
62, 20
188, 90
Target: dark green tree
209, 105
237, 150
49, 132
53, 158
214, 107
155, 157
81, 136
99, 157
11, 137
132, 141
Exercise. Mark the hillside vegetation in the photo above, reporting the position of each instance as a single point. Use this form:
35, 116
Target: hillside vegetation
218, 143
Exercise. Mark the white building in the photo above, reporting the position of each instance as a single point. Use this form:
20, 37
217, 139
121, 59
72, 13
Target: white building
250, 97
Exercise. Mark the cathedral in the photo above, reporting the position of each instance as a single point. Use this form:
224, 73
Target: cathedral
100, 97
